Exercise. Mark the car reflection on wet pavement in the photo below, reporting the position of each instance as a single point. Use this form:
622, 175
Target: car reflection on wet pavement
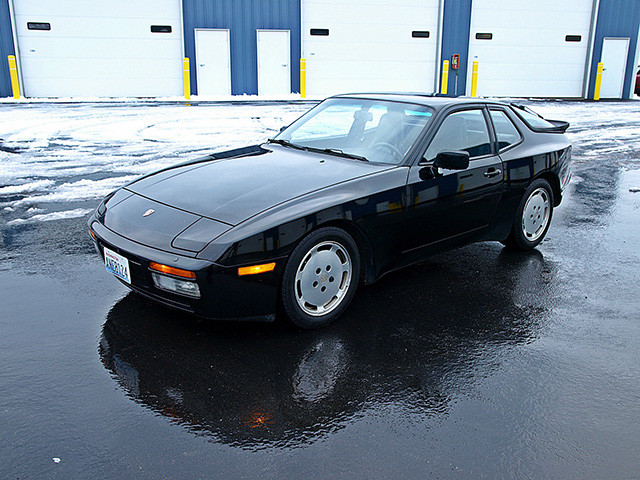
479, 363
408, 341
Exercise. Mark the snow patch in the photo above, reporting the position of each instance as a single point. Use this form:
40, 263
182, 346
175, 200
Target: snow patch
26, 187
48, 217
179, 99
76, 191
33, 210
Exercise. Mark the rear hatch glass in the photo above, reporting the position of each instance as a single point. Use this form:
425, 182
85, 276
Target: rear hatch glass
537, 123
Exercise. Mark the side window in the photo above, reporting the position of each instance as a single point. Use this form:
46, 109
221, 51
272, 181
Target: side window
465, 130
506, 131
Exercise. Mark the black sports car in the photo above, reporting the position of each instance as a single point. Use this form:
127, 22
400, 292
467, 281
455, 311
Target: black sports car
358, 186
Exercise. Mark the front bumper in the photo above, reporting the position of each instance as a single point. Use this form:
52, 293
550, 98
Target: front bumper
223, 294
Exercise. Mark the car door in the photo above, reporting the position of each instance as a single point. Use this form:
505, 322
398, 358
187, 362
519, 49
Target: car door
448, 206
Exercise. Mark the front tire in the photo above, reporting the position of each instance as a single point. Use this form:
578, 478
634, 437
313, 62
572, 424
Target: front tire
320, 278
533, 217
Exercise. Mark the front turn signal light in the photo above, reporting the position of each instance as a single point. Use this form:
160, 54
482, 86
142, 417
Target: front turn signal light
254, 269
178, 272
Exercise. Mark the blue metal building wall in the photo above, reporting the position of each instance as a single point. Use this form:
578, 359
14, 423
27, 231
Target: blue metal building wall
243, 18
616, 18
456, 24
6, 48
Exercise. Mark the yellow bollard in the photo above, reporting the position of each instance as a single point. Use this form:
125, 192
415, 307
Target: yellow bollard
303, 78
13, 73
596, 90
474, 80
445, 77
186, 78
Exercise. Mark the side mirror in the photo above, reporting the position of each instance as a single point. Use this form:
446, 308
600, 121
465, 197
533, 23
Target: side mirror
282, 128
454, 160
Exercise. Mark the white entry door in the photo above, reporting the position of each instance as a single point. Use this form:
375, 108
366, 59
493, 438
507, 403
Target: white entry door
274, 69
614, 58
213, 60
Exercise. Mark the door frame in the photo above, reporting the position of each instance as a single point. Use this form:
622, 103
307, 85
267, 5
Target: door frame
195, 44
624, 73
258, 30
479, 162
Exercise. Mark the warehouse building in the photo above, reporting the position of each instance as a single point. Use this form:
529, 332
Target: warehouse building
115, 48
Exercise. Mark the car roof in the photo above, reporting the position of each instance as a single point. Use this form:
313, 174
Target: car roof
430, 100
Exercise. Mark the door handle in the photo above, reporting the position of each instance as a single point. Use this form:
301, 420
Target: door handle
493, 172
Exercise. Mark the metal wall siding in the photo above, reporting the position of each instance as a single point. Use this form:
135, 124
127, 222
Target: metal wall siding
455, 39
6, 48
617, 18
242, 18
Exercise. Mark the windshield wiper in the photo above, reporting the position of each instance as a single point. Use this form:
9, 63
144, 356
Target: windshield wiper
339, 153
286, 143
330, 151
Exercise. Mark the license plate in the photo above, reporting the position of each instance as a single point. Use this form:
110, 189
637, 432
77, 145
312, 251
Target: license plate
117, 264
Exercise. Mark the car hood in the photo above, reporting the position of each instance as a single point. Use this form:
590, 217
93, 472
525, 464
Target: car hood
231, 190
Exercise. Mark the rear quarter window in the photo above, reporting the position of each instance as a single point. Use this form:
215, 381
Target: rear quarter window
532, 119
506, 131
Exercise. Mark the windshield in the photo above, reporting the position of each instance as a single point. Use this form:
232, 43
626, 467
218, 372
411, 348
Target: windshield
376, 130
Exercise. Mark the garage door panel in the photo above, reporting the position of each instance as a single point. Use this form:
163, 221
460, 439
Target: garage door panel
543, 19
368, 84
110, 68
528, 54
67, 86
543, 6
528, 73
358, 51
533, 88
101, 9
367, 12
372, 33
96, 27
370, 45
100, 48
531, 38
363, 70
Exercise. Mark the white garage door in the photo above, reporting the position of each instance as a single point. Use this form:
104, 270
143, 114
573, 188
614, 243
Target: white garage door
527, 48
369, 45
106, 48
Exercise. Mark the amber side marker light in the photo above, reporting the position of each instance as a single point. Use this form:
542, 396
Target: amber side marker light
178, 272
254, 269
93, 235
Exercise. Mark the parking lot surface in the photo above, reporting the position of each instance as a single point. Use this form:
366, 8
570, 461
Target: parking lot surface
480, 363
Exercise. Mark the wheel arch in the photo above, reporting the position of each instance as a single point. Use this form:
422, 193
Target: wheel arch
554, 181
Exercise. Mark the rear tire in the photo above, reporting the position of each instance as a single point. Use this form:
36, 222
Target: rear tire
533, 217
320, 278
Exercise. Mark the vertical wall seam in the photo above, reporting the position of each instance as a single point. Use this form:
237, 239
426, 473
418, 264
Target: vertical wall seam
636, 62
592, 38
16, 47
438, 70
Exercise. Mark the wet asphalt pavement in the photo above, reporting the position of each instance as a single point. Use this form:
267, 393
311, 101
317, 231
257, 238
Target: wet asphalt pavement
480, 363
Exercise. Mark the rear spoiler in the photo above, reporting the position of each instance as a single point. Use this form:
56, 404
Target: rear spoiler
556, 126
559, 126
